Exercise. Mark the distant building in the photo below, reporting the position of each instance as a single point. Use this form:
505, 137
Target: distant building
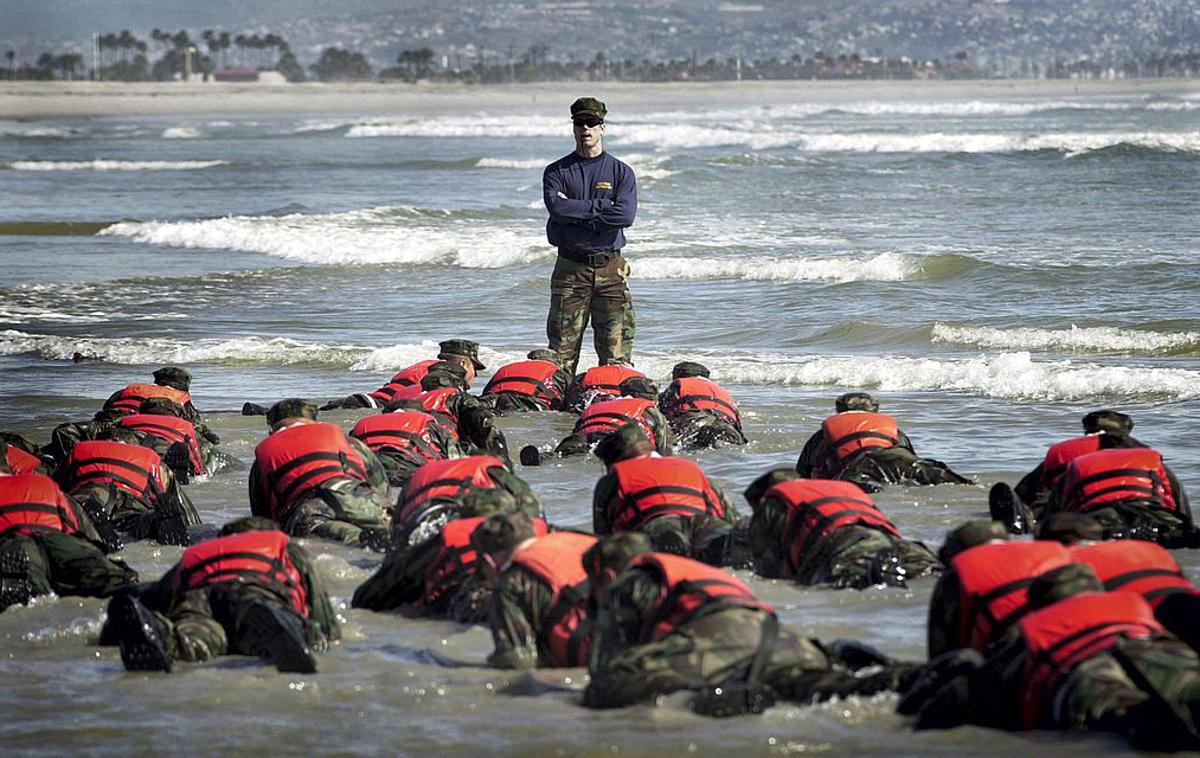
236, 74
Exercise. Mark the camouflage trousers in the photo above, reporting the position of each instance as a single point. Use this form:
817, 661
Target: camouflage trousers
896, 466
338, 511
701, 538
699, 430
579, 293
207, 622
68, 565
1148, 690
858, 557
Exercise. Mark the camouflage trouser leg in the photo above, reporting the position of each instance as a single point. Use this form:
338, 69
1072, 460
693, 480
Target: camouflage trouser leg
77, 567
195, 634
338, 512
714, 649
579, 293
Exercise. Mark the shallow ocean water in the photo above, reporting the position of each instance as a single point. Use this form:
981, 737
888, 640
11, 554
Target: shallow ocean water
991, 267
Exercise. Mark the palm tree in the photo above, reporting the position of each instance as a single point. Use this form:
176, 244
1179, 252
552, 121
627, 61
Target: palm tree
224, 40
11, 57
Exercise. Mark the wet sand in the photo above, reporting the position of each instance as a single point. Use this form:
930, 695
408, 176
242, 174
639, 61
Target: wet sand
33, 100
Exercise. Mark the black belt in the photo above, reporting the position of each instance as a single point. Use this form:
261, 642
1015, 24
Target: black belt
596, 260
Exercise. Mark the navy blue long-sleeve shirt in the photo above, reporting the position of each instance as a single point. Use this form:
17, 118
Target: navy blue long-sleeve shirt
601, 201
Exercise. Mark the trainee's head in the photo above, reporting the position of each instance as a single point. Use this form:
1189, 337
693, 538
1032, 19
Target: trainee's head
856, 401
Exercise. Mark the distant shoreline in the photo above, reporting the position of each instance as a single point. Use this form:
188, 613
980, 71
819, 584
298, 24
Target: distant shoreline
44, 100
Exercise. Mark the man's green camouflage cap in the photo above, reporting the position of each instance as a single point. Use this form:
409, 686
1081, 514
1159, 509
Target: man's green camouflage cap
292, 407
588, 106
759, 486
173, 376
856, 401
502, 532
479, 502
444, 374
640, 387
1061, 583
626, 442
1069, 528
1111, 422
685, 369
542, 354
615, 551
465, 348
969, 535
160, 406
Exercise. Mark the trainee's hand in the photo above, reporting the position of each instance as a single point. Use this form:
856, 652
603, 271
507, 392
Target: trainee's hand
564, 197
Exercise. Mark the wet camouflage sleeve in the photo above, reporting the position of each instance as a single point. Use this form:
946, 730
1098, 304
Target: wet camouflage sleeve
813, 454
664, 438
321, 612
942, 631
259, 504
616, 680
521, 603
400, 578
603, 499
766, 541
477, 424
376, 475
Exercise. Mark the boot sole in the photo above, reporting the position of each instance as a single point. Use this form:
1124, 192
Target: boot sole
143, 647
15, 587
278, 639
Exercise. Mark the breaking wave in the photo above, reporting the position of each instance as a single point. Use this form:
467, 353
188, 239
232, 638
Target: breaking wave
181, 132
887, 267
1009, 376
1096, 339
373, 236
678, 136
107, 165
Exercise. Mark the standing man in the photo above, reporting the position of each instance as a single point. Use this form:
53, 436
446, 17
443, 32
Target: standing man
591, 197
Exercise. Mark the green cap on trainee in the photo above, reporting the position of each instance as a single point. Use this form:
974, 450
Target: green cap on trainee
856, 401
588, 107
292, 407
173, 376
465, 348
687, 369
542, 354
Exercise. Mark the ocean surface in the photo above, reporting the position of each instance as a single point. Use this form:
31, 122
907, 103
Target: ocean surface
990, 267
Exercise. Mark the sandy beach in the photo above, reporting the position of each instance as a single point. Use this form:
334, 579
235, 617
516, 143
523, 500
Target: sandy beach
35, 100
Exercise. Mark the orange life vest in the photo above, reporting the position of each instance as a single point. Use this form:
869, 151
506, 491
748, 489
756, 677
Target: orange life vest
294, 460
435, 401
695, 393
32, 503
130, 468
608, 416
1137, 566
258, 557
447, 480
557, 560
1112, 476
1061, 636
22, 462
169, 428
1060, 455
405, 432
688, 587
457, 559
648, 488
993, 581
601, 381
130, 399
851, 431
405, 377
532, 378
816, 508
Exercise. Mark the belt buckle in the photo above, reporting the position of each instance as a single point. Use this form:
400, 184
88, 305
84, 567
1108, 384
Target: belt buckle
599, 259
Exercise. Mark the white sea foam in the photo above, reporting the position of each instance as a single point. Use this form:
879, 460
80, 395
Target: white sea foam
152, 350
18, 314
887, 267
1008, 376
181, 132
950, 108
1086, 339
533, 163
359, 237
756, 137
36, 131
108, 165
460, 126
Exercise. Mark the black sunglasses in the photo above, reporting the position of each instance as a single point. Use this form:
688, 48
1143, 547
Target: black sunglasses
589, 123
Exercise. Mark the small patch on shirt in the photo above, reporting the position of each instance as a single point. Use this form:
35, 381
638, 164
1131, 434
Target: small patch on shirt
603, 185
